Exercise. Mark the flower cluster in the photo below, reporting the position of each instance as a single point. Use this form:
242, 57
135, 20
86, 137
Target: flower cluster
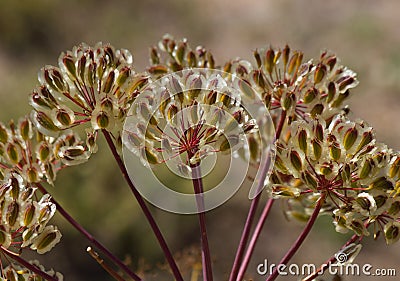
16, 272
175, 55
91, 85
187, 116
343, 160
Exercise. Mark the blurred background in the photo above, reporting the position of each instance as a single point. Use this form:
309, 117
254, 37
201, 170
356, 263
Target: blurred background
363, 33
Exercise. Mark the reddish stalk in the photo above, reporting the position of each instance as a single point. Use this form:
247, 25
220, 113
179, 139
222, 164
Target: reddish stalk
28, 265
254, 238
205, 249
299, 241
253, 207
89, 236
145, 209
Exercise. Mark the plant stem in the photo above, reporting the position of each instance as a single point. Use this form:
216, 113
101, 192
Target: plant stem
105, 266
145, 209
253, 207
331, 260
299, 241
89, 236
28, 265
254, 238
205, 249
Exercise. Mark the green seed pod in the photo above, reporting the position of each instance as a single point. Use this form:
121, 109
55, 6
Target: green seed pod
154, 56
331, 62
288, 101
331, 92
310, 95
295, 160
25, 129
180, 51
158, 69
309, 180
102, 120
109, 82
3, 134
254, 147
317, 149
12, 213
151, 156
191, 59
381, 183
258, 78
319, 132
335, 151
69, 64
345, 82
392, 232
29, 214
350, 138
320, 73
293, 63
366, 139
394, 209
366, 169
394, 169
269, 60
326, 169
258, 58
45, 122
317, 110
123, 76
13, 153
246, 89
172, 110
302, 140
285, 55
380, 200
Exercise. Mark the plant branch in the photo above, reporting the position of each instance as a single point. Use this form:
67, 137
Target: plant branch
105, 266
205, 249
253, 207
145, 209
299, 241
254, 238
89, 236
28, 265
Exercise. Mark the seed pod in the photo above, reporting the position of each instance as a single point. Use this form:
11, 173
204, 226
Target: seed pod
3, 134
317, 110
331, 92
269, 60
326, 169
154, 56
25, 129
191, 59
350, 138
158, 69
29, 214
258, 58
302, 140
13, 153
12, 213
392, 232
285, 55
246, 89
394, 169
44, 123
320, 73
310, 95
335, 151
293, 63
69, 65
254, 147
46, 240
366, 139
295, 160
150, 155
381, 183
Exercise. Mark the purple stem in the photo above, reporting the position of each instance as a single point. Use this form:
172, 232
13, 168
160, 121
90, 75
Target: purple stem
205, 249
299, 241
254, 238
28, 265
90, 237
253, 207
145, 209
